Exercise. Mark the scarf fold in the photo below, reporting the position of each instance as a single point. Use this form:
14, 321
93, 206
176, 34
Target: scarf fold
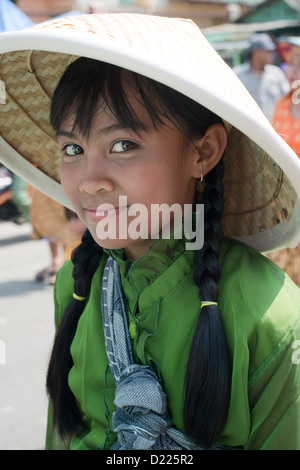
141, 418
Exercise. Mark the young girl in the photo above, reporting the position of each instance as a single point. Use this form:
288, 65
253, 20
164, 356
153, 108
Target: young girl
160, 344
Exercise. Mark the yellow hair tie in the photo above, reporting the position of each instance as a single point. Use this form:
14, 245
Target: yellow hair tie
77, 297
205, 303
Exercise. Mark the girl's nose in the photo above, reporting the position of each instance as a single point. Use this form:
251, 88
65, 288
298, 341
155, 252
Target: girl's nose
94, 180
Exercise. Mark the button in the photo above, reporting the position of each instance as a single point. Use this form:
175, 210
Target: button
132, 329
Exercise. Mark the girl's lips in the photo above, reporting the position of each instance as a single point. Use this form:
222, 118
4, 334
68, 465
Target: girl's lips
103, 212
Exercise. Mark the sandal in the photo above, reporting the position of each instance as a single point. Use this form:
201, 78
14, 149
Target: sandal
52, 278
45, 274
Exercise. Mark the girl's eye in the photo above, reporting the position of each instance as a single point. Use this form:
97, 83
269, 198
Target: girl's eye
72, 149
123, 146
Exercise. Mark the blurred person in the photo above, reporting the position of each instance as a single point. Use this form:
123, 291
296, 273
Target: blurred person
14, 197
286, 121
6, 194
21, 196
49, 221
286, 117
77, 228
265, 81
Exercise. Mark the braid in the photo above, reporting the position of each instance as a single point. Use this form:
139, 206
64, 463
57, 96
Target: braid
66, 415
208, 270
208, 372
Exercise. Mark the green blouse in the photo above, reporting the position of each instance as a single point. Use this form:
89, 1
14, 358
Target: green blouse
260, 309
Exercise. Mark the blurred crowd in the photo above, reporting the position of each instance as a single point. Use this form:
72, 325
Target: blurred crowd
276, 89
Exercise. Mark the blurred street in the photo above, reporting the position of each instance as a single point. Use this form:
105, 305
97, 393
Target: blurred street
26, 334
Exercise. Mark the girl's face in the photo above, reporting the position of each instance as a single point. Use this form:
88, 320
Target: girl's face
292, 69
119, 167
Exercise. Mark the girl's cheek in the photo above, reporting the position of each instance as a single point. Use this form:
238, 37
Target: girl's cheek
68, 181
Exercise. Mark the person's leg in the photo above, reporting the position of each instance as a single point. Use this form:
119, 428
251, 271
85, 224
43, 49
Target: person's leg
57, 259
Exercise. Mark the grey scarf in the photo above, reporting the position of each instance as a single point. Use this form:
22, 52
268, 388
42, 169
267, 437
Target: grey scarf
141, 419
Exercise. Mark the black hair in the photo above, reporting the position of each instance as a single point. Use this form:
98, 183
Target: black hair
86, 85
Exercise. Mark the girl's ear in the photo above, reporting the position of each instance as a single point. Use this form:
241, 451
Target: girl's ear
209, 149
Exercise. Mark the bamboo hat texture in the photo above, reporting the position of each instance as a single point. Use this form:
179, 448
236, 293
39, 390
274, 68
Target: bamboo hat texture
262, 174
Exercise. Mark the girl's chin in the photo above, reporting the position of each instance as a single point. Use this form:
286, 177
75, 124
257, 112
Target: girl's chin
133, 249
110, 244
117, 244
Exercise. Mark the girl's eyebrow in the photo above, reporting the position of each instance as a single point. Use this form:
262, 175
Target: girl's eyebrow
115, 127
61, 133
105, 130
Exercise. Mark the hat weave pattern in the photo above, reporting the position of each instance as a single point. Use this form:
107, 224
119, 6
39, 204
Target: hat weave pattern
30, 78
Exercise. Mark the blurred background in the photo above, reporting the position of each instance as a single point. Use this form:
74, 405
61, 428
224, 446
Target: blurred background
31, 251
227, 24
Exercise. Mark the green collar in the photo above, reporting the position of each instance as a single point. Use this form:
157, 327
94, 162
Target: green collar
149, 280
160, 255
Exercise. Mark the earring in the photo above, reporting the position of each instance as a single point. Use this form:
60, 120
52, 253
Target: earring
200, 180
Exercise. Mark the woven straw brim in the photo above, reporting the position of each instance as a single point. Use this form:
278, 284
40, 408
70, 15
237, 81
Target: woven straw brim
261, 200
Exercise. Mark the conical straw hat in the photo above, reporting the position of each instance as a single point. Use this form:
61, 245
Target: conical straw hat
262, 174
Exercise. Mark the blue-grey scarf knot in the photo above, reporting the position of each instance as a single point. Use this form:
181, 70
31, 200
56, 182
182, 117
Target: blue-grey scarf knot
141, 418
